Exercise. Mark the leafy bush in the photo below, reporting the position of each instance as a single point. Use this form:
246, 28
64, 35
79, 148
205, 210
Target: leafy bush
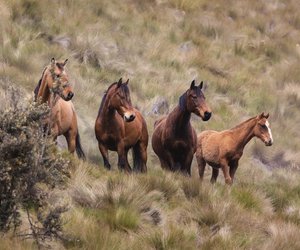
30, 168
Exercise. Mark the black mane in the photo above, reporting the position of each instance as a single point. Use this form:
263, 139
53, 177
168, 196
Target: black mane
125, 90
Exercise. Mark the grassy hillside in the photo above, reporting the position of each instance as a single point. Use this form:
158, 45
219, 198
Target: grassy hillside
248, 55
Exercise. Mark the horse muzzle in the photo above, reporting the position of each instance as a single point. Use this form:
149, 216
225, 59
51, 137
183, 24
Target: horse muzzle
206, 116
269, 143
68, 97
129, 117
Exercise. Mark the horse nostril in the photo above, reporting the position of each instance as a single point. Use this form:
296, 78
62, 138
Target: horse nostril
207, 115
70, 95
131, 117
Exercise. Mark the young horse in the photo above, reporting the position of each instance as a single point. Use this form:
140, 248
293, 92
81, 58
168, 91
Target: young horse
224, 149
54, 88
174, 140
120, 127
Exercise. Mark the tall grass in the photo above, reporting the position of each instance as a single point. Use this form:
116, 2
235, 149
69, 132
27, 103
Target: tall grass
246, 52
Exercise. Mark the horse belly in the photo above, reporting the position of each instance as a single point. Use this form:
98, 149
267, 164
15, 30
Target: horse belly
67, 114
210, 151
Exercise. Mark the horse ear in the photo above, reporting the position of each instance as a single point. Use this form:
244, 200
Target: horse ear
201, 85
262, 115
65, 62
120, 82
126, 82
52, 61
267, 115
192, 84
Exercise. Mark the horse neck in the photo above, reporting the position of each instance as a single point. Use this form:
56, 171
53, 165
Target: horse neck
180, 119
106, 113
44, 91
244, 132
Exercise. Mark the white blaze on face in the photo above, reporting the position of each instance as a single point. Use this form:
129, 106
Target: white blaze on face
269, 130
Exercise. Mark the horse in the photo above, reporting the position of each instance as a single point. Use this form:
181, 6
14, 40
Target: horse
174, 140
120, 127
224, 149
54, 88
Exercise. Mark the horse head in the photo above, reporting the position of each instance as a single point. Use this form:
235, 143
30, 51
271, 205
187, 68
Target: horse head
119, 99
194, 101
262, 129
57, 80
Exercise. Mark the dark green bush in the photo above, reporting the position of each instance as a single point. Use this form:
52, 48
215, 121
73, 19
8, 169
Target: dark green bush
30, 167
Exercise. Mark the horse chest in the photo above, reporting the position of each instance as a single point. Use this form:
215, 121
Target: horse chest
236, 155
110, 142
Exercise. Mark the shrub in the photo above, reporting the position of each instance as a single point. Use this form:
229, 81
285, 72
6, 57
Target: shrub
30, 168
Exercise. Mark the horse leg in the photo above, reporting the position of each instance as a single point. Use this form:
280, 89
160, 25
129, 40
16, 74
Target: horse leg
186, 166
164, 164
168, 158
233, 167
127, 165
104, 153
201, 166
214, 175
144, 158
122, 158
71, 140
140, 157
225, 169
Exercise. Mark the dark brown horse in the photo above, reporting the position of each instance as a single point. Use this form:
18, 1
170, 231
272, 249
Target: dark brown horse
224, 149
54, 88
174, 140
120, 127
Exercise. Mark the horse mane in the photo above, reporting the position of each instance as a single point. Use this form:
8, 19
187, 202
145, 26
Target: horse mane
37, 88
243, 123
182, 102
124, 88
102, 102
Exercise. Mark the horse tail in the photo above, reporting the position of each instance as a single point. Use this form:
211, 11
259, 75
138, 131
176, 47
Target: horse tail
137, 158
79, 150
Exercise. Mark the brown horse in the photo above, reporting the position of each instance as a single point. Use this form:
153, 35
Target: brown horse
224, 149
54, 88
174, 140
120, 127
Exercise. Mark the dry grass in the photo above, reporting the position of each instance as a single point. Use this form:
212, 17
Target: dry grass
246, 52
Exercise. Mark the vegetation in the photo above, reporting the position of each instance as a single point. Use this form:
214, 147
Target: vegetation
246, 52
30, 168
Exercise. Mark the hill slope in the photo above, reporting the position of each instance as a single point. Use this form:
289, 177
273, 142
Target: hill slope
247, 53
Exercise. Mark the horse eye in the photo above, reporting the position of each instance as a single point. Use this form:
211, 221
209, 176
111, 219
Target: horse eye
194, 96
263, 125
57, 75
121, 96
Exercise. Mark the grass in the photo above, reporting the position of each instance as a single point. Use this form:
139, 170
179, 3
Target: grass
248, 55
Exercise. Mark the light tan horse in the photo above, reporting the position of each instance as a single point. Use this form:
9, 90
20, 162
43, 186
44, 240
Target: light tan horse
224, 149
119, 127
54, 88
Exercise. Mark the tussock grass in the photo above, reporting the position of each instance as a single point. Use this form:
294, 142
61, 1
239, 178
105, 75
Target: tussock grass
246, 52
